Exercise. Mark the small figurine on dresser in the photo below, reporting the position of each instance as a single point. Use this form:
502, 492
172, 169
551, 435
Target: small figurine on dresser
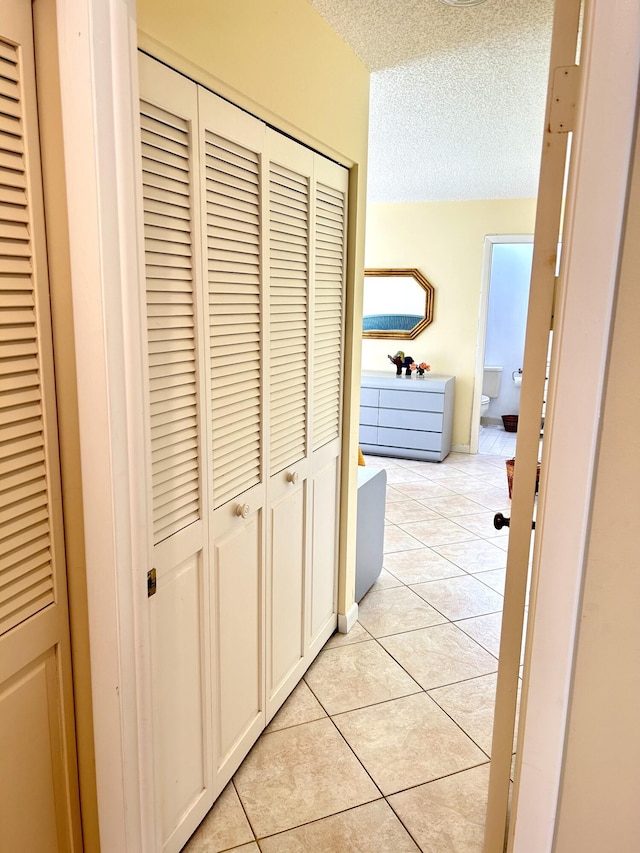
401, 360
422, 368
398, 360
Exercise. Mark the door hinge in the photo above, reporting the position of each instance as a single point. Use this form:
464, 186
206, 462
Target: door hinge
564, 96
151, 583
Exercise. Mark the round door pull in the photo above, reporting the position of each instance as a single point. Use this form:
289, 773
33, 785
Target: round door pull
243, 510
293, 477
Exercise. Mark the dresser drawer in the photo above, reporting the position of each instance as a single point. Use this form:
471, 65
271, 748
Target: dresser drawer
369, 397
401, 419
422, 401
409, 438
369, 415
368, 434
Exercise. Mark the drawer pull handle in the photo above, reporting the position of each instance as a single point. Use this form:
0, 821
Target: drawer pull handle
243, 510
292, 477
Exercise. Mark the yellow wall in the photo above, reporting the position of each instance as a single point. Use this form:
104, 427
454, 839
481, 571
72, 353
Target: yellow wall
279, 60
445, 241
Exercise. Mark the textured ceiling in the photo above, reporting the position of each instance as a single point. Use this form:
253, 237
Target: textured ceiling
457, 94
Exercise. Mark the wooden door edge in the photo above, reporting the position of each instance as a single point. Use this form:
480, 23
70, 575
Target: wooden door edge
53, 179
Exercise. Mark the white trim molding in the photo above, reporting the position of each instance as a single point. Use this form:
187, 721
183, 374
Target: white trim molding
460, 448
347, 620
97, 49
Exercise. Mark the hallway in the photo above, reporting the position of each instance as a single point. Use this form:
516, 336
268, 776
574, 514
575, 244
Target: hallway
385, 743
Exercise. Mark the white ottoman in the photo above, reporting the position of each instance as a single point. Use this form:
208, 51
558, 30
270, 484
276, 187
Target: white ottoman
372, 490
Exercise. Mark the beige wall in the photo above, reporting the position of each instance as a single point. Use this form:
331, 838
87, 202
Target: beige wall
599, 794
444, 240
279, 60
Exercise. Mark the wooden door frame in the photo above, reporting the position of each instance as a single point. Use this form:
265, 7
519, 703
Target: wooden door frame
595, 214
97, 50
55, 209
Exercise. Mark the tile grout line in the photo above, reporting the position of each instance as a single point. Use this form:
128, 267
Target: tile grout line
458, 469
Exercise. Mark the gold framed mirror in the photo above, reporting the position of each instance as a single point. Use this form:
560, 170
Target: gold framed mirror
397, 303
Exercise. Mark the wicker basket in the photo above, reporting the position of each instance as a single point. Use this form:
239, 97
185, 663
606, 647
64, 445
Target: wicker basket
511, 463
510, 423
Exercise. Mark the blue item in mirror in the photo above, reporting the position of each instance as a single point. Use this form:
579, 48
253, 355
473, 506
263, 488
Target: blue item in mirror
390, 322
397, 303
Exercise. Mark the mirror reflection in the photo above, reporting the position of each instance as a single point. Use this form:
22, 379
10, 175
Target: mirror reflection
397, 303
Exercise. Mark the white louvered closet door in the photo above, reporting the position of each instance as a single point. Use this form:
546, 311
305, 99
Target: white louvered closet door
244, 250
289, 270
231, 174
330, 188
289, 232
179, 609
39, 807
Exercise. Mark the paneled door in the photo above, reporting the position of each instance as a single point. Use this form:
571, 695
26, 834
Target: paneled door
329, 240
231, 176
179, 618
289, 251
306, 261
245, 256
39, 806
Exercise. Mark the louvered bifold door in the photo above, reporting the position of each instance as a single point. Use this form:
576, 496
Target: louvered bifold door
27, 578
179, 615
289, 271
289, 249
326, 370
233, 271
39, 807
330, 203
232, 199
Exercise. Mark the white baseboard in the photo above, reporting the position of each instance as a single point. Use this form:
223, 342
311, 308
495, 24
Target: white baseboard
460, 448
348, 620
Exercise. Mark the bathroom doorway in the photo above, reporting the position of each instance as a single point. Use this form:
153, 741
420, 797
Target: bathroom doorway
504, 296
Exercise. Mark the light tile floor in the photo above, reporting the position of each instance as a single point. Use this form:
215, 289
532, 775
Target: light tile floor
494, 439
385, 744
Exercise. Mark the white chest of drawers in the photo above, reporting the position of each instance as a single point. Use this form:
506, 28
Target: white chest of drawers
406, 417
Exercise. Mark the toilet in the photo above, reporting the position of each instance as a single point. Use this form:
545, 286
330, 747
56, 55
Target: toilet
491, 379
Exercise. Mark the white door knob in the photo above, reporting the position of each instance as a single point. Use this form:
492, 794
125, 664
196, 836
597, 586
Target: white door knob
292, 477
243, 510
